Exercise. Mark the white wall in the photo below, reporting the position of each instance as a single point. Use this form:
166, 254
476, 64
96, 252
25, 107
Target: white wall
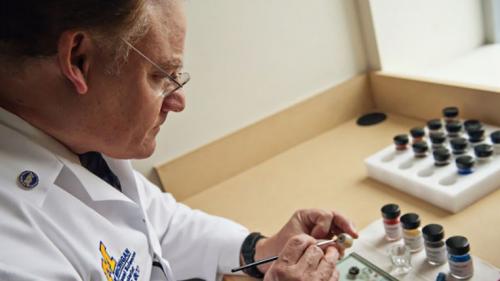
418, 34
250, 59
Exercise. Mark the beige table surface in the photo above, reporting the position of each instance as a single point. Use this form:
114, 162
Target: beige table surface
328, 172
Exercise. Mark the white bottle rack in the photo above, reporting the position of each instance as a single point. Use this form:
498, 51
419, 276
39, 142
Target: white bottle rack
440, 186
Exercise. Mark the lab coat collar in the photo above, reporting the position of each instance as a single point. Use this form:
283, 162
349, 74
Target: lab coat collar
30, 148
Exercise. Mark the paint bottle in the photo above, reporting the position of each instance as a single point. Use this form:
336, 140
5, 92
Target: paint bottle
401, 142
437, 139
412, 235
483, 152
459, 146
464, 163
435, 248
392, 226
420, 149
495, 139
435, 126
442, 157
472, 123
475, 131
454, 129
460, 261
417, 134
450, 114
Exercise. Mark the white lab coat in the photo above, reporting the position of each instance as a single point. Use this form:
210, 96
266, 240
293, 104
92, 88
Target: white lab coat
74, 226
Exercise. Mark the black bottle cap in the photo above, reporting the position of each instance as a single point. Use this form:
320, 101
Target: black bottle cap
420, 147
457, 245
401, 139
458, 144
441, 154
437, 138
353, 270
417, 132
390, 211
450, 112
471, 124
495, 137
476, 134
434, 124
410, 221
433, 232
454, 127
465, 162
483, 150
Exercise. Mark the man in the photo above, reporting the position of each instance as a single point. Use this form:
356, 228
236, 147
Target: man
86, 83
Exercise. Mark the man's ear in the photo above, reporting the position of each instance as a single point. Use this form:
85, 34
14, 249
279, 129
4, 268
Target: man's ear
73, 53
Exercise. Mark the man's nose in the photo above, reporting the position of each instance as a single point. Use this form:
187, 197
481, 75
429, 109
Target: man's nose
174, 102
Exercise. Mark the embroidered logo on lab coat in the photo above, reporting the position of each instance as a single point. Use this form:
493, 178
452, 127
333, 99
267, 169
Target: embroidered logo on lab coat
123, 270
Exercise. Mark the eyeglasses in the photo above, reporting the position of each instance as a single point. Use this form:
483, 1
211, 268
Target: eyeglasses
173, 82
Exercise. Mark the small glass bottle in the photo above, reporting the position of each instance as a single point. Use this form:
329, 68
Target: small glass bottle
495, 139
401, 142
460, 261
459, 146
475, 131
434, 244
450, 114
420, 149
465, 163
437, 140
483, 153
435, 126
442, 157
454, 129
411, 232
390, 213
417, 134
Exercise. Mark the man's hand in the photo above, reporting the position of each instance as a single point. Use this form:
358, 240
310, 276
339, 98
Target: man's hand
302, 260
319, 224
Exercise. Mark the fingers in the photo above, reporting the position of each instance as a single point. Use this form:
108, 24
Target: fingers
295, 248
322, 224
330, 260
317, 222
340, 224
311, 259
335, 276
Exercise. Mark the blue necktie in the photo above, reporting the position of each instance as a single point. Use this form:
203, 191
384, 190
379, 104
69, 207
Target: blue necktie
95, 163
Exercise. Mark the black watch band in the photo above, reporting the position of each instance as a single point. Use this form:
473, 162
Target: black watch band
248, 253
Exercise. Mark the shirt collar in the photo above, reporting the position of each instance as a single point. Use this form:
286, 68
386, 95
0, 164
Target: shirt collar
21, 126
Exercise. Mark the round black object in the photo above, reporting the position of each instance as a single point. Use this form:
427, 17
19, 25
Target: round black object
483, 150
457, 245
433, 232
453, 127
401, 139
420, 147
354, 270
476, 134
437, 138
465, 162
410, 221
441, 154
371, 119
417, 132
458, 144
434, 124
450, 112
390, 211
472, 123
495, 137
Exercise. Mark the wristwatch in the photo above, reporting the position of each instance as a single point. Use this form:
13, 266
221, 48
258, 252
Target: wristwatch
248, 254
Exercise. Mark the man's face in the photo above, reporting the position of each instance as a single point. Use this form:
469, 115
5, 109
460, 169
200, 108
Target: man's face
131, 111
